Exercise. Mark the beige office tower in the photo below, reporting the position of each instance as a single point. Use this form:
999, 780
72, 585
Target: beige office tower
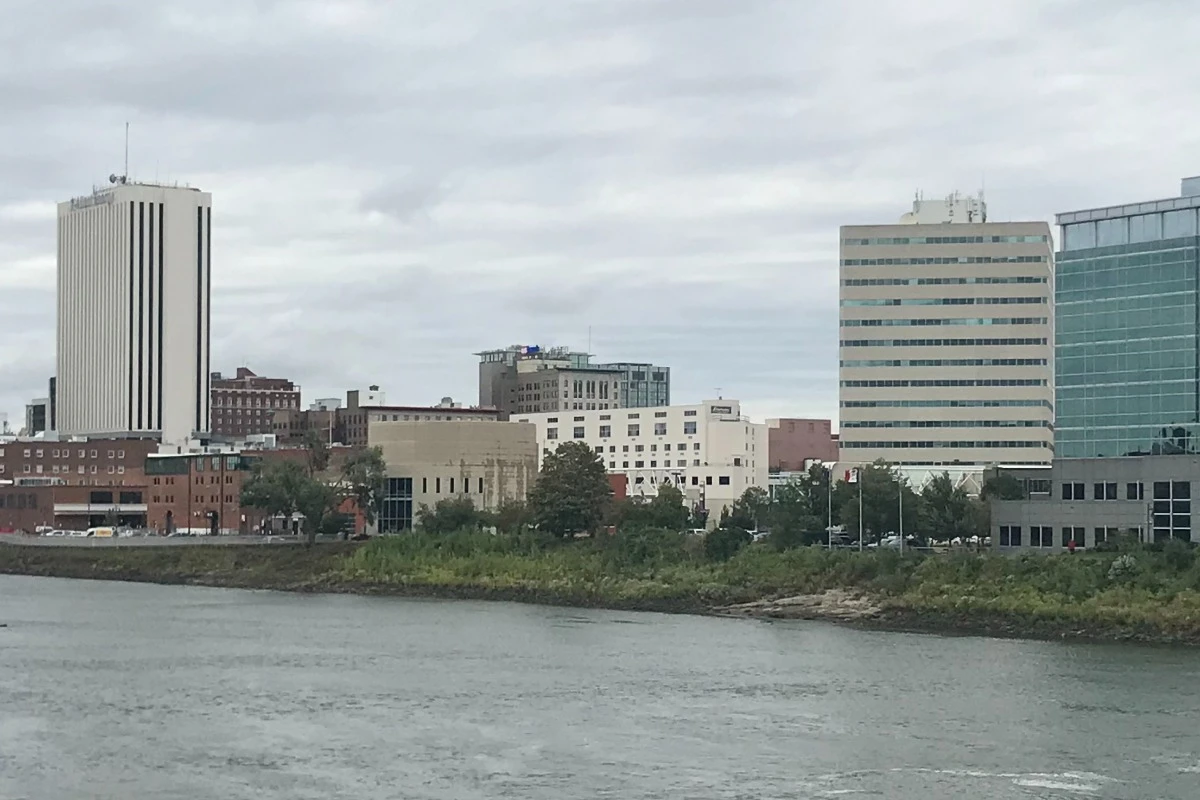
947, 339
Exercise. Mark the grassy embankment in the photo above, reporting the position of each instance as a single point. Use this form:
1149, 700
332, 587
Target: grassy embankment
1150, 595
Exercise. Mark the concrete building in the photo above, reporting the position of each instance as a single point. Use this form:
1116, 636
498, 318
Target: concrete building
433, 460
793, 443
529, 379
1127, 330
37, 416
708, 450
133, 312
1091, 500
245, 404
349, 425
946, 345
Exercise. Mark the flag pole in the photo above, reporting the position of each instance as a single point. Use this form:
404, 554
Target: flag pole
901, 485
829, 499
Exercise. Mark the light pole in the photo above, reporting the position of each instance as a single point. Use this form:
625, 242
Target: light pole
829, 500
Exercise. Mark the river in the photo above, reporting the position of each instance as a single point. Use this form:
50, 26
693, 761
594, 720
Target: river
128, 691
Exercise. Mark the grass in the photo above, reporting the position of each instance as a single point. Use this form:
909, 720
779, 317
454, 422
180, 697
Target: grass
1152, 594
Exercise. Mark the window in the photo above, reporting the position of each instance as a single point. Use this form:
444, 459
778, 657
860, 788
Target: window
424, 485
1041, 536
695, 445
639, 447
551, 433
689, 428
708, 480
612, 465
112, 453
1075, 535
632, 416
639, 464
27, 453
737, 462
93, 454
690, 413
1097, 492
635, 430
624, 465
605, 431
577, 432
723, 480
1010, 535
1133, 491
660, 429
120, 454
696, 462
655, 464
452, 486
437, 485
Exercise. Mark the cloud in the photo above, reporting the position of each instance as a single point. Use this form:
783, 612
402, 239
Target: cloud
398, 185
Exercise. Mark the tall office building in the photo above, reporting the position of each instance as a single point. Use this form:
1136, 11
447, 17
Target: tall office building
133, 312
1128, 341
946, 343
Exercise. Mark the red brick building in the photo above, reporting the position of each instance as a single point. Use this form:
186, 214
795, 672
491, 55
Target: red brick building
348, 426
793, 442
245, 404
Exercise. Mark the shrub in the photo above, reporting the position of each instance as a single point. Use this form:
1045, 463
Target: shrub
1123, 569
724, 543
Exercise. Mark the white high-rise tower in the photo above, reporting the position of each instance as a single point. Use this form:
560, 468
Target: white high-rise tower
133, 312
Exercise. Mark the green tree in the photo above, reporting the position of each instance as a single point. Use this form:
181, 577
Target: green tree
572, 492
792, 511
881, 486
1002, 486
512, 517
316, 453
450, 515
750, 510
287, 488
363, 477
667, 509
948, 511
724, 543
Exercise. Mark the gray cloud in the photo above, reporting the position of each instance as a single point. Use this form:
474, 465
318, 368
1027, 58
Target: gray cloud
397, 185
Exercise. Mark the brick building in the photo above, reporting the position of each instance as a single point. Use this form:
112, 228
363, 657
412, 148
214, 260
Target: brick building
348, 426
793, 442
245, 404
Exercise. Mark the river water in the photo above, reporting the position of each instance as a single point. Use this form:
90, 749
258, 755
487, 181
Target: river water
127, 691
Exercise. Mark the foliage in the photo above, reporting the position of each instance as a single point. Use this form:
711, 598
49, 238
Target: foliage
724, 543
572, 492
316, 451
286, 488
337, 523
363, 477
452, 514
881, 487
511, 517
750, 510
947, 511
1002, 486
665, 510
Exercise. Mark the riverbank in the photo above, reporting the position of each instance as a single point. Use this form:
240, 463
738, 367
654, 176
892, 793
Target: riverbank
1149, 597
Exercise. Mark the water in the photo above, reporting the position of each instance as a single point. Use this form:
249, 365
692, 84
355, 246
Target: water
124, 691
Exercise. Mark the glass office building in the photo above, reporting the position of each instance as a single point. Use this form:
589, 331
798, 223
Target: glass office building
1127, 329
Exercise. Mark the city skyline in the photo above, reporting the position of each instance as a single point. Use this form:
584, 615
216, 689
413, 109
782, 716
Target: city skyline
588, 171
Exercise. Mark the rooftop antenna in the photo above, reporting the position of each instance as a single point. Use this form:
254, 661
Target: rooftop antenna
126, 175
589, 348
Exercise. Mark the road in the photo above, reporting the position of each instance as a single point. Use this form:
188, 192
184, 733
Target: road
146, 541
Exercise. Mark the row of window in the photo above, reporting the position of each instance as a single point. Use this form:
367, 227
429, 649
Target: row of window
966, 382
946, 362
1161, 491
463, 485
607, 417
884, 323
1043, 536
936, 445
947, 404
65, 469
946, 301
65, 452
633, 429
255, 402
18, 501
950, 423
904, 262
1130, 230
666, 464
940, 281
945, 240
1030, 340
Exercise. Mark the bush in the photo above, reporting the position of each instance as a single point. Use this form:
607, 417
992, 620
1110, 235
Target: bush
724, 543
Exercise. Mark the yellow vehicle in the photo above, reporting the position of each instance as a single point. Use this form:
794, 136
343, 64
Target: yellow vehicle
101, 533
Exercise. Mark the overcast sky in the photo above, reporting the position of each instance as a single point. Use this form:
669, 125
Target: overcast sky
399, 184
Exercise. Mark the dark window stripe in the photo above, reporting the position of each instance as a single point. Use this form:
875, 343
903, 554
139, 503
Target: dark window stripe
199, 306
204, 392
150, 364
131, 313
141, 348
161, 256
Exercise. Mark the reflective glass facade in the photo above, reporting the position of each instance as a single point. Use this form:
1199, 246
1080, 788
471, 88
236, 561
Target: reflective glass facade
1127, 317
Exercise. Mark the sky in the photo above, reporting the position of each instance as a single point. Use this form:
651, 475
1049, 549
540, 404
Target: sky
397, 185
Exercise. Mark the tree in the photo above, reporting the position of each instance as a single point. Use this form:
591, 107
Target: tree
665, 510
572, 492
287, 488
750, 510
947, 509
792, 511
316, 451
363, 477
880, 486
1002, 486
447, 516
724, 543
511, 517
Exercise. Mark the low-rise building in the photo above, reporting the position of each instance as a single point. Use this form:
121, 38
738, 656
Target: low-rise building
793, 444
245, 404
348, 426
442, 458
1092, 500
708, 450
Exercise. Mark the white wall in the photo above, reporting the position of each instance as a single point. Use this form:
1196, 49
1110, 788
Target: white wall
112, 301
723, 457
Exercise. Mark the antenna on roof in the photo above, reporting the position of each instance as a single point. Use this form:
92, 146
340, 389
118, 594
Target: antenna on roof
126, 175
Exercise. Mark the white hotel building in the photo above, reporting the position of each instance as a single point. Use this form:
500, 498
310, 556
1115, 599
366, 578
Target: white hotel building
708, 450
133, 312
